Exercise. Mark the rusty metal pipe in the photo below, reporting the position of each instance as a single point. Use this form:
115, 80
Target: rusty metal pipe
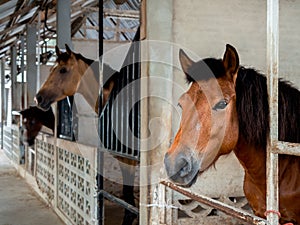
230, 210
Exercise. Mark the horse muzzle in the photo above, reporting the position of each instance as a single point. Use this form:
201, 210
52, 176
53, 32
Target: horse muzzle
42, 103
182, 168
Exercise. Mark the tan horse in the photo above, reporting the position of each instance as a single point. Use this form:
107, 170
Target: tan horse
226, 108
74, 73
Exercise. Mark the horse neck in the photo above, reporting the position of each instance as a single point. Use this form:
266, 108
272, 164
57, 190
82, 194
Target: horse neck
89, 85
252, 158
252, 109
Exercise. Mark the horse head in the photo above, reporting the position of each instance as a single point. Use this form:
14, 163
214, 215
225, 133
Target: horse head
63, 80
33, 119
209, 123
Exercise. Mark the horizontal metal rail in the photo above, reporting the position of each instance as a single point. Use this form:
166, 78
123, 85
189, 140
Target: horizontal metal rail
119, 201
230, 210
288, 148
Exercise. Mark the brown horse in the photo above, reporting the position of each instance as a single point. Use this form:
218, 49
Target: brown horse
75, 73
33, 119
226, 108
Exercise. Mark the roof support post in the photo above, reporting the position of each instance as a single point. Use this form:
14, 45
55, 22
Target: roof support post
31, 67
63, 23
13, 74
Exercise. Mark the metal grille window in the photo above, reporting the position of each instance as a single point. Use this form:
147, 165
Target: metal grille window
120, 117
65, 119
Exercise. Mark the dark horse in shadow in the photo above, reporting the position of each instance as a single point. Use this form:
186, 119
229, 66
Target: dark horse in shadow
33, 119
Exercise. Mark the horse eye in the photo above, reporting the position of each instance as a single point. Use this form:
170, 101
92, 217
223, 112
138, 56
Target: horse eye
63, 70
220, 105
179, 105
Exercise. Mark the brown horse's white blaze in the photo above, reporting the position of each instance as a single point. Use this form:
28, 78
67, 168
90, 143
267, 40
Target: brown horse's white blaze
208, 114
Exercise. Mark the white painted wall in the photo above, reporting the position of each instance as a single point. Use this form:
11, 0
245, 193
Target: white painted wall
206, 26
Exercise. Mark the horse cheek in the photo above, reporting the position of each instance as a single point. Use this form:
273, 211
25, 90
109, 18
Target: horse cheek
232, 133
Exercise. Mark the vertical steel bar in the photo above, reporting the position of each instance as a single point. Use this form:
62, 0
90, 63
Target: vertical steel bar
100, 155
133, 98
138, 93
24, 89
272, 80
122, 110
127, 103
2, 73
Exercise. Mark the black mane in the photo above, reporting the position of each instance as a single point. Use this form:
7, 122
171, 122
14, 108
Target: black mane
109, 74
252, 102
253, 108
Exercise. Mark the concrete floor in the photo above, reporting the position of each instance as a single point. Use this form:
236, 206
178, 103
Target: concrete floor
19, 204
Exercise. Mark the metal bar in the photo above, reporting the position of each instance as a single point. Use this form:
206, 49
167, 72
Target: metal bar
287, 148
272, 197
24, 85
123, 14
3, 99
100, 154
230, 210
119, 202
138, 92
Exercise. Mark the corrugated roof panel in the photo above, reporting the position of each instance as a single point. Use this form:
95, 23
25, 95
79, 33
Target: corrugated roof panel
17, 30
28, 15
127, 26
7, 8
2, 26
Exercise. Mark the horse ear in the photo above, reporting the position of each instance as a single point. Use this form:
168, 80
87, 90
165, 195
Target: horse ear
69, 51
231, 61
57, 50
185, 61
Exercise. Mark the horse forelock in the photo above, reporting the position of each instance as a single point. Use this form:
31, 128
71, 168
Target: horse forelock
205, 69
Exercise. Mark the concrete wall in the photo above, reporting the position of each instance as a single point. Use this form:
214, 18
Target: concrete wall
206, 26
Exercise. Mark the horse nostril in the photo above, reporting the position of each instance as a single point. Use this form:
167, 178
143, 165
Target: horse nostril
185, 167
177, 166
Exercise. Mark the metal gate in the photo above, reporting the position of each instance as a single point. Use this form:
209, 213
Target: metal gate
119, 121
66, 120
120, 117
